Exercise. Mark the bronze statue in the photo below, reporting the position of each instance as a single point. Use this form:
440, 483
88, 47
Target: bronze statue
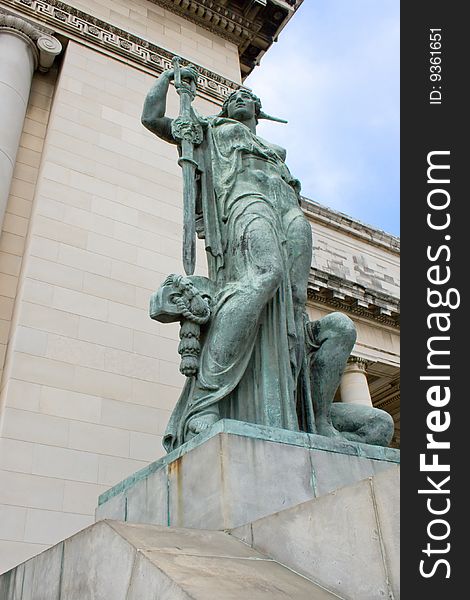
248, 349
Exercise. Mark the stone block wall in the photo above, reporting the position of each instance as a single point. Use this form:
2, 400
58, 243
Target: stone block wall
170, 31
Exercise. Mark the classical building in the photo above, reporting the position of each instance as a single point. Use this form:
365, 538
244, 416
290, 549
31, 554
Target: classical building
90, 215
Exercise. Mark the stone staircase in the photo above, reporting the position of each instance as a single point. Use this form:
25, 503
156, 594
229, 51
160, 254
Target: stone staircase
250, 514
347, 541
111, 560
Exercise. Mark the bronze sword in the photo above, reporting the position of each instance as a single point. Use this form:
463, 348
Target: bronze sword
189, 133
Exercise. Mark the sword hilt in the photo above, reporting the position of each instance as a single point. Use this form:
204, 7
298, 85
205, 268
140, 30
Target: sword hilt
180, 85
176, 62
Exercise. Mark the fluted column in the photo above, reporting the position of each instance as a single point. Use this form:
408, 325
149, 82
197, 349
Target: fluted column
354, 388
23, 48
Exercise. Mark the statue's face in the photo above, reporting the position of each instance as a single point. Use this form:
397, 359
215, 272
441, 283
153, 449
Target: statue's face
241, 106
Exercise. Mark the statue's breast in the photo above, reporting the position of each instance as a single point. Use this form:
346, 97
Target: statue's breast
232, 136
246, 164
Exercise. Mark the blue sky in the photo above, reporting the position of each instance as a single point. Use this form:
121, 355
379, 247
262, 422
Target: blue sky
334, 75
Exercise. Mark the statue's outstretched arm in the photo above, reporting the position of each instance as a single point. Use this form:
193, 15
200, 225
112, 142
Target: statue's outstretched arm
153, 113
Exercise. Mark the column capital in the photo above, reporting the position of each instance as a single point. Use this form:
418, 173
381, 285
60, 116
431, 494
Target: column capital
44, 47
356, 363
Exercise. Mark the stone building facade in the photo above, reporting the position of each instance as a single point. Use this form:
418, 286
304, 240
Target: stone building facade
91, 224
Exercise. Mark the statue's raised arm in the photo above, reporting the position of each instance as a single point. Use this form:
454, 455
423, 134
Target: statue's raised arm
187, 132
154, 112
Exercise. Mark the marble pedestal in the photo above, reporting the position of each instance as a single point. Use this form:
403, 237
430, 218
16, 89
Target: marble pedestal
237, 473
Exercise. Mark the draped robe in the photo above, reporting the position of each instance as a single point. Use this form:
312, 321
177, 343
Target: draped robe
243, 178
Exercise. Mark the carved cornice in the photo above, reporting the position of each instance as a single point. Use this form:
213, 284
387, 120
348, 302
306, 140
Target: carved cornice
44, 47
253, 25
343, 222
346, 296
80, 26
213, 16
390, 401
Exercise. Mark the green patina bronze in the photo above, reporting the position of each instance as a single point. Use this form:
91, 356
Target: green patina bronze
247, 347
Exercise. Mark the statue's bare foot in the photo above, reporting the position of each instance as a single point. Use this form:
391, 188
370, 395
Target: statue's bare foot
200, 423
327, 429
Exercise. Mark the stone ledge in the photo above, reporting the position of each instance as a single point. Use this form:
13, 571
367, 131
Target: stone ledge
260, 432
350, 226
237, 473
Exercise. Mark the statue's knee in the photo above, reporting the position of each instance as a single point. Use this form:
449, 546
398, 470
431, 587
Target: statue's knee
341, 326
383, 428
349, 330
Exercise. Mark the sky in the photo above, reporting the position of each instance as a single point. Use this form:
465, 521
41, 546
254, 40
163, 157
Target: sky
334, 75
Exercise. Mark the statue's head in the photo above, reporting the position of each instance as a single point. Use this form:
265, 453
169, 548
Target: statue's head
241, 105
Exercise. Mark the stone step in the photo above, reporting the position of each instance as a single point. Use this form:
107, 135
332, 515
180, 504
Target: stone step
347, 541
111, 560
